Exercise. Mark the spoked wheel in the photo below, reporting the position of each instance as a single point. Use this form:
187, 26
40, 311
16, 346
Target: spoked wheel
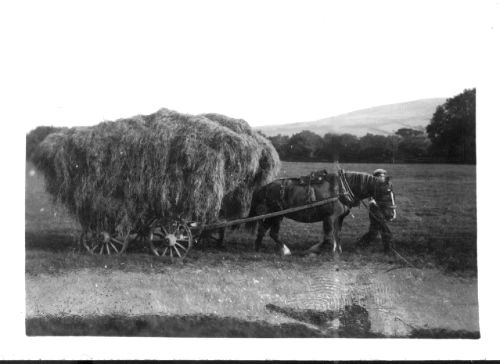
104, 243
173, 240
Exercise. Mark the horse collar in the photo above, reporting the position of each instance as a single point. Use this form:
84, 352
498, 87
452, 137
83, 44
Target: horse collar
346, 189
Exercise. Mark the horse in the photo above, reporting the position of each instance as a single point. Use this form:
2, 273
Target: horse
350, 188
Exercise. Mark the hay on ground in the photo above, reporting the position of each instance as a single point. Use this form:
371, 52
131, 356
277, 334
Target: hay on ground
116, 175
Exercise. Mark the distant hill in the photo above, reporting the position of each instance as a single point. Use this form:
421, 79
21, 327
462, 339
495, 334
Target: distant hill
383, 120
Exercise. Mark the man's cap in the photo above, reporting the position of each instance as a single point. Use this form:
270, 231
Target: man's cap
379, 172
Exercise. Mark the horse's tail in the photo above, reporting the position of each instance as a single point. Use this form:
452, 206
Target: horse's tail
258, 204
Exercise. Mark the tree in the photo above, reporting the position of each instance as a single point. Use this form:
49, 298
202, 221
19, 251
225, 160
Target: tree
376, 148
305, 146
413, 145
452, 129
280, 143
343, 147
407, 133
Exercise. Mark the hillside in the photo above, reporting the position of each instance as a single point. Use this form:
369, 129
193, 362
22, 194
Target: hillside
376, 120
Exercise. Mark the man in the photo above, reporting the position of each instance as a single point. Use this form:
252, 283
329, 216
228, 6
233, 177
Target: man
377, 221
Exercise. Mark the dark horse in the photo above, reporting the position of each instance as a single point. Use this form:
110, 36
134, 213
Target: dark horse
350, 187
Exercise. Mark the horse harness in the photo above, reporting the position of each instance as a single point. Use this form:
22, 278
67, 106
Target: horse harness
346, 196
315, 178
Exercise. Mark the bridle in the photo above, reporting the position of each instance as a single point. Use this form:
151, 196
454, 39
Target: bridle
384, 204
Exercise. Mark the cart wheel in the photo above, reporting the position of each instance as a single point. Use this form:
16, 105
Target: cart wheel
173, 240
104, 243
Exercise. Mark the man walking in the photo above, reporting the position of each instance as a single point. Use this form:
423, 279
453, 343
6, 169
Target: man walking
377, 222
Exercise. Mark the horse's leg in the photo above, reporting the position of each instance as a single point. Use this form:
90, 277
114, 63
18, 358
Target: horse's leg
373, 229
342, 217
328, 237
220, 241
386, 237
261, 232
274, 234
331, 230
337, 226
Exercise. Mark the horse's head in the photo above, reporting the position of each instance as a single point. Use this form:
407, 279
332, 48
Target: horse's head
384, 197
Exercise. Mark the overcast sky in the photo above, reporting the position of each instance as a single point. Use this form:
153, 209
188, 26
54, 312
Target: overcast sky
269, 62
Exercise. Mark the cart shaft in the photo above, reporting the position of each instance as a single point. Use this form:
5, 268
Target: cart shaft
267, 216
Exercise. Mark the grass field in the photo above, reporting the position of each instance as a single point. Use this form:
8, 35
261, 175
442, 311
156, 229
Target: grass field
236, 292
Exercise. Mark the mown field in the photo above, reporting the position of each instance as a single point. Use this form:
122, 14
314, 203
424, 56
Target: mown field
236, 292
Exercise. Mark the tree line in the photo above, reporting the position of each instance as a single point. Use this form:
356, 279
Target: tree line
450, 137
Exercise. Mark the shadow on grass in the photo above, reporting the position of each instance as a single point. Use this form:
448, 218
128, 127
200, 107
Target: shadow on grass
54, 241
452, 255
444, 334
68, 241
352, 321
163, 326
222, 327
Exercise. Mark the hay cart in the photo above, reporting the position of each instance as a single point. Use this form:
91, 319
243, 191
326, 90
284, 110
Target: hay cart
172, 238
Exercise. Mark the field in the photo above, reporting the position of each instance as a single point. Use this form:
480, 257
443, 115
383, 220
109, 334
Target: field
235, 292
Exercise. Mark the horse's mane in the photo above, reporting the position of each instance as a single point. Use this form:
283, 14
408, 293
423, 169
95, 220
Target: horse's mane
360, 181
359, 178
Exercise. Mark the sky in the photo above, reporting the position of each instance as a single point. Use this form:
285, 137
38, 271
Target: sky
268, 62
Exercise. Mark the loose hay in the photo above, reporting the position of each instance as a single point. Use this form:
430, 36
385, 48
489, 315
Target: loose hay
116, 175
34, 137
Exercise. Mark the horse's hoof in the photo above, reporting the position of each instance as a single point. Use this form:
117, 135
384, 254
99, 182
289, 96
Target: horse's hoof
336, 253
316, 249
312, 252
285, 251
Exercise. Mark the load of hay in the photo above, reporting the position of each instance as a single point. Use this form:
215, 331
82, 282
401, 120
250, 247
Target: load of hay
116, 175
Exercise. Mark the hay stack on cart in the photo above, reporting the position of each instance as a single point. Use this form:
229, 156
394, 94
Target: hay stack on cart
149, 176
